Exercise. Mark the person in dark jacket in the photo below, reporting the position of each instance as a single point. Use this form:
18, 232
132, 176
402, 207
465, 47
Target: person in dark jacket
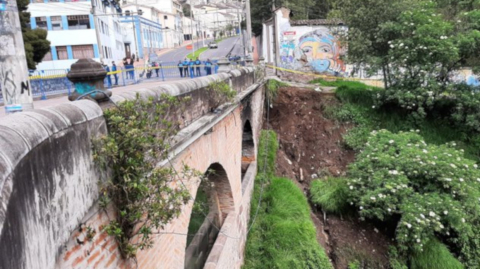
185, 67
114, 69
191, 66
109, 77
180, 68
208, 67
198, 63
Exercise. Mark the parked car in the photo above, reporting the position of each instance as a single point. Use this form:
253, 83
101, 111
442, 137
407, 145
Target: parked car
213, 45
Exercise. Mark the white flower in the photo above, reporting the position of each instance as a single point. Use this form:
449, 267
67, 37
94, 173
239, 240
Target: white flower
453, 166
431, 214
373, 107
418, 241
423, 216
448, 179
463, 220
391, 141
461, 179
392, 46
389, 210
478, 179
445, 212
475, 166
361, 207
351, 187
373, 198
393, 172
408, 225
425, 151
435, 157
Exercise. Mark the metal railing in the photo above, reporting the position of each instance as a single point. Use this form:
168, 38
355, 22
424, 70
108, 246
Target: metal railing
47, 83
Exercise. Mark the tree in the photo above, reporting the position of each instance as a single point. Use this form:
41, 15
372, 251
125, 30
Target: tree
36, 43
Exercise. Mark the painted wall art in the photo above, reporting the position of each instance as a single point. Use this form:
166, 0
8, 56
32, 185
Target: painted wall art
312, 49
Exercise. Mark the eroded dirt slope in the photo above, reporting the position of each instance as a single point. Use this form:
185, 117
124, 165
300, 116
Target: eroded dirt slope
311, 147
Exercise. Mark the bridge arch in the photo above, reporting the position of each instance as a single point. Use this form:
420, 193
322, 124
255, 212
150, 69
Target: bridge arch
248, 147
213, 202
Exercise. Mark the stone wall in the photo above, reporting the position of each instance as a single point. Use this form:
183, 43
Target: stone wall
48, 181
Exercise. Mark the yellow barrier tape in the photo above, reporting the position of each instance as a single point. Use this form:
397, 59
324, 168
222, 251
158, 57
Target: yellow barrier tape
325, 76
37, 77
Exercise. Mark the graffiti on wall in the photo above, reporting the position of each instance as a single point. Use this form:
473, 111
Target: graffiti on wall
312, 49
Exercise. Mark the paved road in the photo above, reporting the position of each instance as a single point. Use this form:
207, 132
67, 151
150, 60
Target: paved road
180, 53
224, 47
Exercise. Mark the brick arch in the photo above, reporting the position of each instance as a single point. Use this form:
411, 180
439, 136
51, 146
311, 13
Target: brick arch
248, 146
220, 196
216, 187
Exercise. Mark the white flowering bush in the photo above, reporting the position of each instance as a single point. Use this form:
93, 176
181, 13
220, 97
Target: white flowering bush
433, 191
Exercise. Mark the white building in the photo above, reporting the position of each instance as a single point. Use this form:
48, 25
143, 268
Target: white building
167, 13
72, 31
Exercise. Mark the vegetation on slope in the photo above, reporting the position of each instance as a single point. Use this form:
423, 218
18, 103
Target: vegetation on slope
419, 182
282, 235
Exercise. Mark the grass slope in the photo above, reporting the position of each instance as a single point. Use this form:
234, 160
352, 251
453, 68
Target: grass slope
283, 235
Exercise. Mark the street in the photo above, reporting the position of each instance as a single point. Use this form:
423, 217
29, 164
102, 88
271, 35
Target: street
224, 48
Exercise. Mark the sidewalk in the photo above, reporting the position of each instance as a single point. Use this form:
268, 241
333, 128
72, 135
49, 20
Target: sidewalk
64, 99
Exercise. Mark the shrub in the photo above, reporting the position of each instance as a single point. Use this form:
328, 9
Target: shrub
272, 89
219, 93
433, 190
330, 194
434, 255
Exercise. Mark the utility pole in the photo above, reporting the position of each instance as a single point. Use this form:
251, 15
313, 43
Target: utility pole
191, 25
97, 30
249, 26
14, 82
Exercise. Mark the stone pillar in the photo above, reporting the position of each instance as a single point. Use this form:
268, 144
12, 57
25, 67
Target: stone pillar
14, 82
87, 75
223, 65
249, 61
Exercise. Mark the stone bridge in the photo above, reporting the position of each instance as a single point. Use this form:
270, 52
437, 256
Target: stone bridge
49, 184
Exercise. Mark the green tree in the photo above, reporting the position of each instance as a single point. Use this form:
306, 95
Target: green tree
36, 43
368, 34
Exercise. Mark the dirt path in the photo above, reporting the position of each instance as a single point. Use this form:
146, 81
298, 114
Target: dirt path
311, 147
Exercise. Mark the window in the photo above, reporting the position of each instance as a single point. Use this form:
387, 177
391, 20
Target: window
41, 22
106, 52
57, 23
62, 53
78, 22
47, 57
82, 51
103, 27
165, 17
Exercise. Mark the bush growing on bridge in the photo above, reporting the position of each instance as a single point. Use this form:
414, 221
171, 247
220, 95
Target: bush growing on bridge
141, 193
433, 191
219, 93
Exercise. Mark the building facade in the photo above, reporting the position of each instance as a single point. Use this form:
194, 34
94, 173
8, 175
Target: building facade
72, 31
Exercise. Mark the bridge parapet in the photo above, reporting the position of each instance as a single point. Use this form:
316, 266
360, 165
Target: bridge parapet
49, 183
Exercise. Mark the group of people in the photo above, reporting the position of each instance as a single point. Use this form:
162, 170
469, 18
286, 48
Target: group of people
187, 68
193, 68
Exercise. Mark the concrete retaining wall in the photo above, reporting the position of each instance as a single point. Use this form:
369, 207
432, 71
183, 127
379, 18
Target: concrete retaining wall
48, 182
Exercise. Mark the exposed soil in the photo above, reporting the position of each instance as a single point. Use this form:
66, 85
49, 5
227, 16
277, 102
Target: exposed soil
311, 147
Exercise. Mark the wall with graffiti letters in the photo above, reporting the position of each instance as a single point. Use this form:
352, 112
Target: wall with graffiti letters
312, 49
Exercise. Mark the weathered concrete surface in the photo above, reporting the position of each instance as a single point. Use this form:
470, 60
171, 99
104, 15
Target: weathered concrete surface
48, 182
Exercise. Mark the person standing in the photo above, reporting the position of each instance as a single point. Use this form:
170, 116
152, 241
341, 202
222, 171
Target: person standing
191, 64
208, 67
114, 69
156, 66
109, 76
185, 67
197, 67
180, 68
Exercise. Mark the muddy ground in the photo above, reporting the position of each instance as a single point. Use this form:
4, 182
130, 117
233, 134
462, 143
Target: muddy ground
311, 147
